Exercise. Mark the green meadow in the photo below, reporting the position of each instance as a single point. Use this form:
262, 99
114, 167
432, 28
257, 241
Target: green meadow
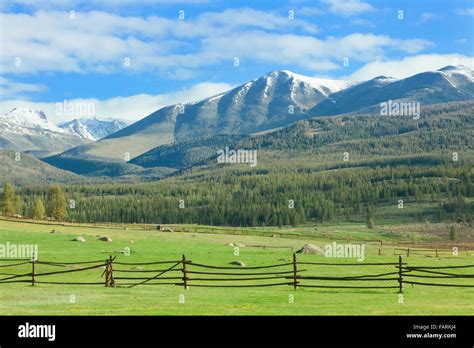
131, 244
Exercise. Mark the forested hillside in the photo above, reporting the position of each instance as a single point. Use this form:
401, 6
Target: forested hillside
357, 167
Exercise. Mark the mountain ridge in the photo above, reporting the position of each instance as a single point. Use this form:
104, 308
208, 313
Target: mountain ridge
27, 130
270, 101
93, 128
260, 105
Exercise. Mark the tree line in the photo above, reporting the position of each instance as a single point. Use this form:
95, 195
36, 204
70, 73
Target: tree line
34, 207
250, 198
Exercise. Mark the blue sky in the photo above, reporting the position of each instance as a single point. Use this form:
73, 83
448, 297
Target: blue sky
49, 54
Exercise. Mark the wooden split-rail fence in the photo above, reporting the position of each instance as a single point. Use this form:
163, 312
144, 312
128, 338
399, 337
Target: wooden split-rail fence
186, 273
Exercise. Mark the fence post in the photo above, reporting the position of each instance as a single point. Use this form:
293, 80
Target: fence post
111, 270
185, 274
295, 271
33, 262
408, 252
108, 272
400, 274
436, 252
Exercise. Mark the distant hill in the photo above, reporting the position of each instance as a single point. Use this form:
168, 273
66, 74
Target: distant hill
32, 171
184, 154
365, 134
369, 139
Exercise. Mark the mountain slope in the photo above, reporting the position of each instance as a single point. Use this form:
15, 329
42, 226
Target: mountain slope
390, 158
184, 154
93, 129
28, 118
270, 102
444, 85
75, 127
274, 100
320, 141
30, 170
29, 130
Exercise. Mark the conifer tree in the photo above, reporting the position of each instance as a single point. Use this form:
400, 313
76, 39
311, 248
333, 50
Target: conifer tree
8, 200
57, 206
39, 211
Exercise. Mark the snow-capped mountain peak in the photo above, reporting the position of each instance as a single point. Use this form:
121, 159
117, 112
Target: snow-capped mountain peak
29, 122
29, 118
325, 86
24, 129
92, 128
456, 71
75, 127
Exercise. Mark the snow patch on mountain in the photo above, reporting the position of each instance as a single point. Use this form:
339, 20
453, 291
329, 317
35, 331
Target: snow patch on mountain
385, 80
456, 71
93, 128
20, 118
325, 86
75, 127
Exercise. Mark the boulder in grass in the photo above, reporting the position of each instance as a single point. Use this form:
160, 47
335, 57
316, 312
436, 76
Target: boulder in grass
238, 263
55, 231
310, 249
164, 228
79, 239
105, 239
231, 244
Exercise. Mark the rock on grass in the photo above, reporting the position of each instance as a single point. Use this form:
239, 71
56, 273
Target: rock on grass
238, 263
310, 249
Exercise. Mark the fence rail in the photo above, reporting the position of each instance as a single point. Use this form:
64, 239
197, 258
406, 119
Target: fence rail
427, 272
187, 273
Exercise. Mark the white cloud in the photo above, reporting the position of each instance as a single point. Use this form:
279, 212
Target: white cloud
413, 45
465, 11
348, 7
132, 107
409, 66
11, 89
99, 42
306, 52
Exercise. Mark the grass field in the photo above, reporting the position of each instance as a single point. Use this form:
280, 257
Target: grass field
146, 246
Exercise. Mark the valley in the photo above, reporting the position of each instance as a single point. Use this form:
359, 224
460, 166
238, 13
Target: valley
220, 173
